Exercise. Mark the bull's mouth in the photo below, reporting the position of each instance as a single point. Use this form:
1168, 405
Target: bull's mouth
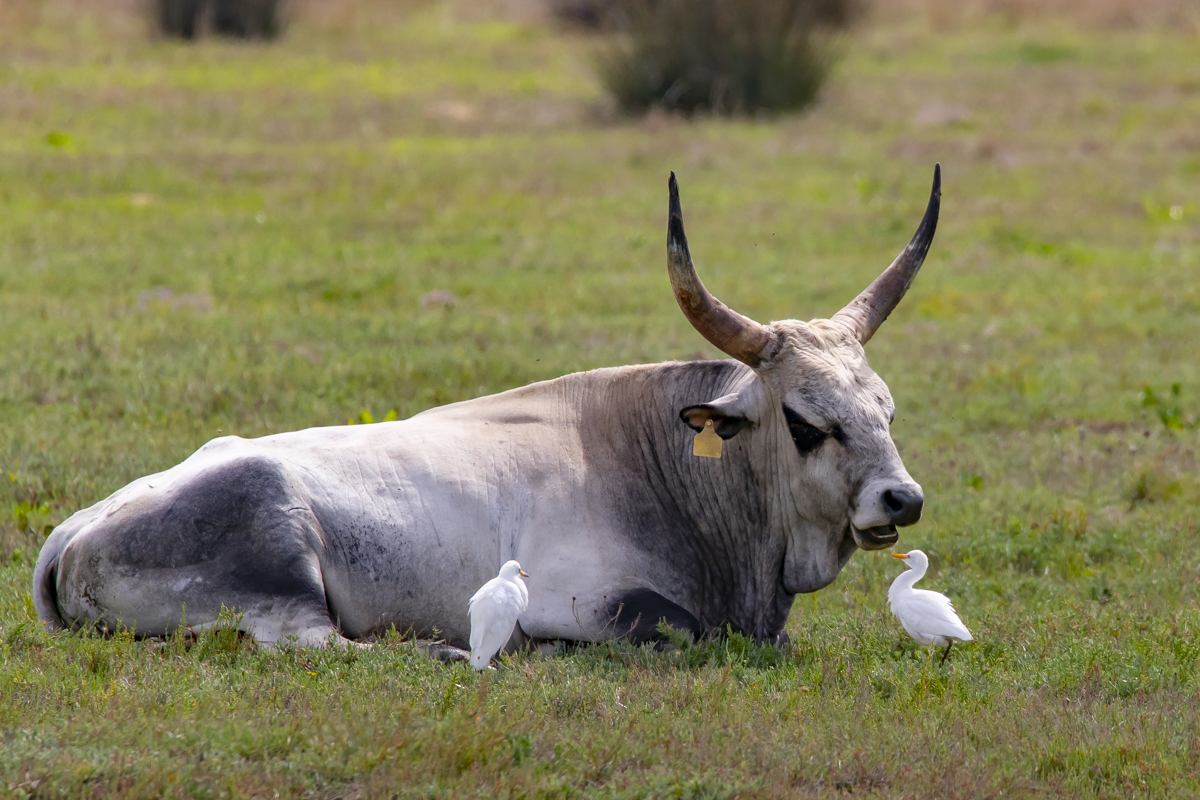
876, 538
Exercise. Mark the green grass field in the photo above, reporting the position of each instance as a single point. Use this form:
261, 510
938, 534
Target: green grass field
237, 238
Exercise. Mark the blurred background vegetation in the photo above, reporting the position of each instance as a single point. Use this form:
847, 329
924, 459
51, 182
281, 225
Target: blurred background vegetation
244, 19
394, 205
708, 55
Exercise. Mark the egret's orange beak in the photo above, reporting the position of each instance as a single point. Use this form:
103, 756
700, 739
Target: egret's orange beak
522, 573
899, 555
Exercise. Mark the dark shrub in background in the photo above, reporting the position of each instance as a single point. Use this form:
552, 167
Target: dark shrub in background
594, 14
179, 18
247, 18
722, 56
244, 19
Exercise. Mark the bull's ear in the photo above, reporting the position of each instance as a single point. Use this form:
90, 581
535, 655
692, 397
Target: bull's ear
726, 426
728, 414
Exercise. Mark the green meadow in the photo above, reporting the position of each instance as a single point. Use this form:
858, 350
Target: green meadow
398, 206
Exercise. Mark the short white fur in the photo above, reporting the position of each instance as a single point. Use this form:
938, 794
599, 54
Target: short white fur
494, 610
928, 616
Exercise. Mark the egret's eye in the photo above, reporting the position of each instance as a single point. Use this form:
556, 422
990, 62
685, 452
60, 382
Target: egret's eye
807, 437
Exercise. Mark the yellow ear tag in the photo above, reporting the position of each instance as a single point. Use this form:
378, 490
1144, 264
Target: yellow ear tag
707, 444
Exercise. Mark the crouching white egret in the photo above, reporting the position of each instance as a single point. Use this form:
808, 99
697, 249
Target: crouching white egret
927, 616
494, 610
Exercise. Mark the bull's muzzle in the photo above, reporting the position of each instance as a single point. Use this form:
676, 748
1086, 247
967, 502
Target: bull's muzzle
883, 507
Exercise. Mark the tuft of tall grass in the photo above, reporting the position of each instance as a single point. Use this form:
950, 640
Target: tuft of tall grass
721, 57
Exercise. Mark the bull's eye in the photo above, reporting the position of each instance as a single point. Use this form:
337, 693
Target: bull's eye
807, 437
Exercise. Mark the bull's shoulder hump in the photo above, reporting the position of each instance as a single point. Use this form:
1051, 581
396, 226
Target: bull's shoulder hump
542, 401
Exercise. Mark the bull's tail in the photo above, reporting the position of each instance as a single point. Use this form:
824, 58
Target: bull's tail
45, 577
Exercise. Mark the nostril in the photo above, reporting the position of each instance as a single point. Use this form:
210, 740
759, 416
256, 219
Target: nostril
903, 507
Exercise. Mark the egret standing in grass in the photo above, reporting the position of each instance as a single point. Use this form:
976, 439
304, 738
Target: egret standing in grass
927, 616
494, 610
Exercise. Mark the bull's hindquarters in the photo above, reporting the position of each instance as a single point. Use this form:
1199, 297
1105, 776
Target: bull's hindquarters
167, 550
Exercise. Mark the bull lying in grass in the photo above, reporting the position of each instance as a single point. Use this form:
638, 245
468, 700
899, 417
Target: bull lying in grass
588, 480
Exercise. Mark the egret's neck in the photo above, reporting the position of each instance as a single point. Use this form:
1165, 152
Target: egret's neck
906, 580
918, 570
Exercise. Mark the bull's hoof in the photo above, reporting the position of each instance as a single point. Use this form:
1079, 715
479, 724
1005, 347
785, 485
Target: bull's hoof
443, 652
779, 640
550, 648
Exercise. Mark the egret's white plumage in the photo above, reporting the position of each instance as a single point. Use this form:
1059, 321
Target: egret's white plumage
494, 610
927, 616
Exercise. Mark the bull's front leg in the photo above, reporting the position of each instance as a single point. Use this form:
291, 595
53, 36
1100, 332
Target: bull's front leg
630, 613
635, 615
583, 588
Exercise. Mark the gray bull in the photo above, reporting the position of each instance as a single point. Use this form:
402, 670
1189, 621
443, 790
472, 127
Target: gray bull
588, 480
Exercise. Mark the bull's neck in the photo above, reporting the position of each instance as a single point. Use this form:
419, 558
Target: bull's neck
711, 529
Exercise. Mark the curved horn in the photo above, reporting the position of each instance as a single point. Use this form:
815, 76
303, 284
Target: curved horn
865, 313
737, 336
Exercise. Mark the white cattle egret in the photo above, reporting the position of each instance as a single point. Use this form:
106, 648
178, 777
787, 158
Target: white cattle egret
494, 610
927, 616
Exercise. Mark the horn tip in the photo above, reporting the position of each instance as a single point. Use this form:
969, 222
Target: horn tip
937, 178
675, 211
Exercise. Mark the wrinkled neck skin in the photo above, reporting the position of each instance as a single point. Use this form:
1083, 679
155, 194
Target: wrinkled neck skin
806, 514
733, 539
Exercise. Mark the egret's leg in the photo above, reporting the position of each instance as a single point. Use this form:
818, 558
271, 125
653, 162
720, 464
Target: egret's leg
946, 654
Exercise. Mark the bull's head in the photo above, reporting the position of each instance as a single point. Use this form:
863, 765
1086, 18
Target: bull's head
812, 385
